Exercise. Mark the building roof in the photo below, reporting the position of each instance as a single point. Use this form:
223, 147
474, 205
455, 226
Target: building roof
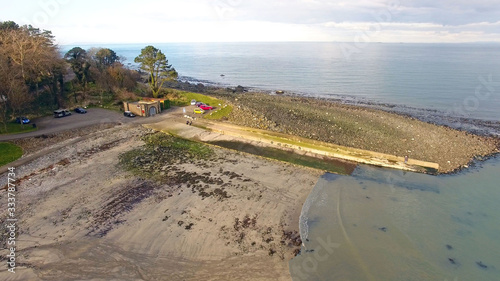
155, 99
143, 102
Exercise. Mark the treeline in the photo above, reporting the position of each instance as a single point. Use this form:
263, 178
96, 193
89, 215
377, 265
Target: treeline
35, 77
30, 64
99, 72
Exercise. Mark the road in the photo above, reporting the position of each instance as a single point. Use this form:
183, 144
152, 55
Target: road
204, 130
50, 125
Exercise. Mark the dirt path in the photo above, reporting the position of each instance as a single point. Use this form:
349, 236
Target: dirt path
71, 128
203, 130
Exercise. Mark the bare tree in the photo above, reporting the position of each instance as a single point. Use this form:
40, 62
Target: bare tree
28, 57
31, 51
13, 93
3, 111
18, 98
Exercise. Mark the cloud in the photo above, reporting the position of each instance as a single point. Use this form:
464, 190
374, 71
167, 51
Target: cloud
412, 32
262, 20
445, 12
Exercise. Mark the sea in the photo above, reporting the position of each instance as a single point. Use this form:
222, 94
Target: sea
378, 224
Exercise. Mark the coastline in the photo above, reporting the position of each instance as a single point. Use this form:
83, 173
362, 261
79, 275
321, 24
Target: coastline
355, 126
455, 118
230, 216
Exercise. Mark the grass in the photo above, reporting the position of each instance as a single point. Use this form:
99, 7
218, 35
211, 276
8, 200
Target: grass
218, 114
325, 164
9, 153
162, 150
177, 146
15, 128
183, 98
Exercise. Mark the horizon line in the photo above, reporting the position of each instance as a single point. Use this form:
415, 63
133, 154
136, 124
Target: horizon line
246, 42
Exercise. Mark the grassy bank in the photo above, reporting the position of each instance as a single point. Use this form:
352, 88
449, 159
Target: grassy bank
183, 98
326, 164
10, 153
14, 128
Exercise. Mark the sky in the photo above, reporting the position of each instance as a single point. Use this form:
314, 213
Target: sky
155, 21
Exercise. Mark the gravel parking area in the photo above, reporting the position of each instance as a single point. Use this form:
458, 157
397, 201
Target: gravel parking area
95, 116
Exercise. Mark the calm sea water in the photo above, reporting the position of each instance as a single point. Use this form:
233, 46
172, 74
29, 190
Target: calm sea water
379, 224
430, 81
386, 225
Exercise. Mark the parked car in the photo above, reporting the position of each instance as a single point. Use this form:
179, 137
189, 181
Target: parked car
80, 110
128, 114
61, 113
199, 103
199, 110
193, 102
206, 107
22, 119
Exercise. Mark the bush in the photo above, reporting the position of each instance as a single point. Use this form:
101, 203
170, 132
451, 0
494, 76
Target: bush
124, 95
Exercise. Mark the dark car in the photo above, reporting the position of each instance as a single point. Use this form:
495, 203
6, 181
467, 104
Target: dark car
199, 103
22, 119
80, 110
128, 114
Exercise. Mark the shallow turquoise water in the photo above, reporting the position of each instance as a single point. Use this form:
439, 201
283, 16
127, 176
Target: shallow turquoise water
382, 224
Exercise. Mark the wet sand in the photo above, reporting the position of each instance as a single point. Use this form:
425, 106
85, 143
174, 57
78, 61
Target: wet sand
83, 217
231, 217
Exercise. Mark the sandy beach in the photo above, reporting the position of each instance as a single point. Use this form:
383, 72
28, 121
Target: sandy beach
82, 216
121, 201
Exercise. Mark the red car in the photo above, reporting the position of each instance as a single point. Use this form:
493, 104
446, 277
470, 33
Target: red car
206, 107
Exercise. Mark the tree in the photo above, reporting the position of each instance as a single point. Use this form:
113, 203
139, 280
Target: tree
30, 52
104, 69
18, 98
3, 111
9, 25
155, 63
78, 60
13, 94
28, 59
122, 77
106, 58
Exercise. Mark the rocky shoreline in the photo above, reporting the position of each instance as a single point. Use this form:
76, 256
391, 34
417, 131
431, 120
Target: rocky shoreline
455, 119
357, 126
362, 128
